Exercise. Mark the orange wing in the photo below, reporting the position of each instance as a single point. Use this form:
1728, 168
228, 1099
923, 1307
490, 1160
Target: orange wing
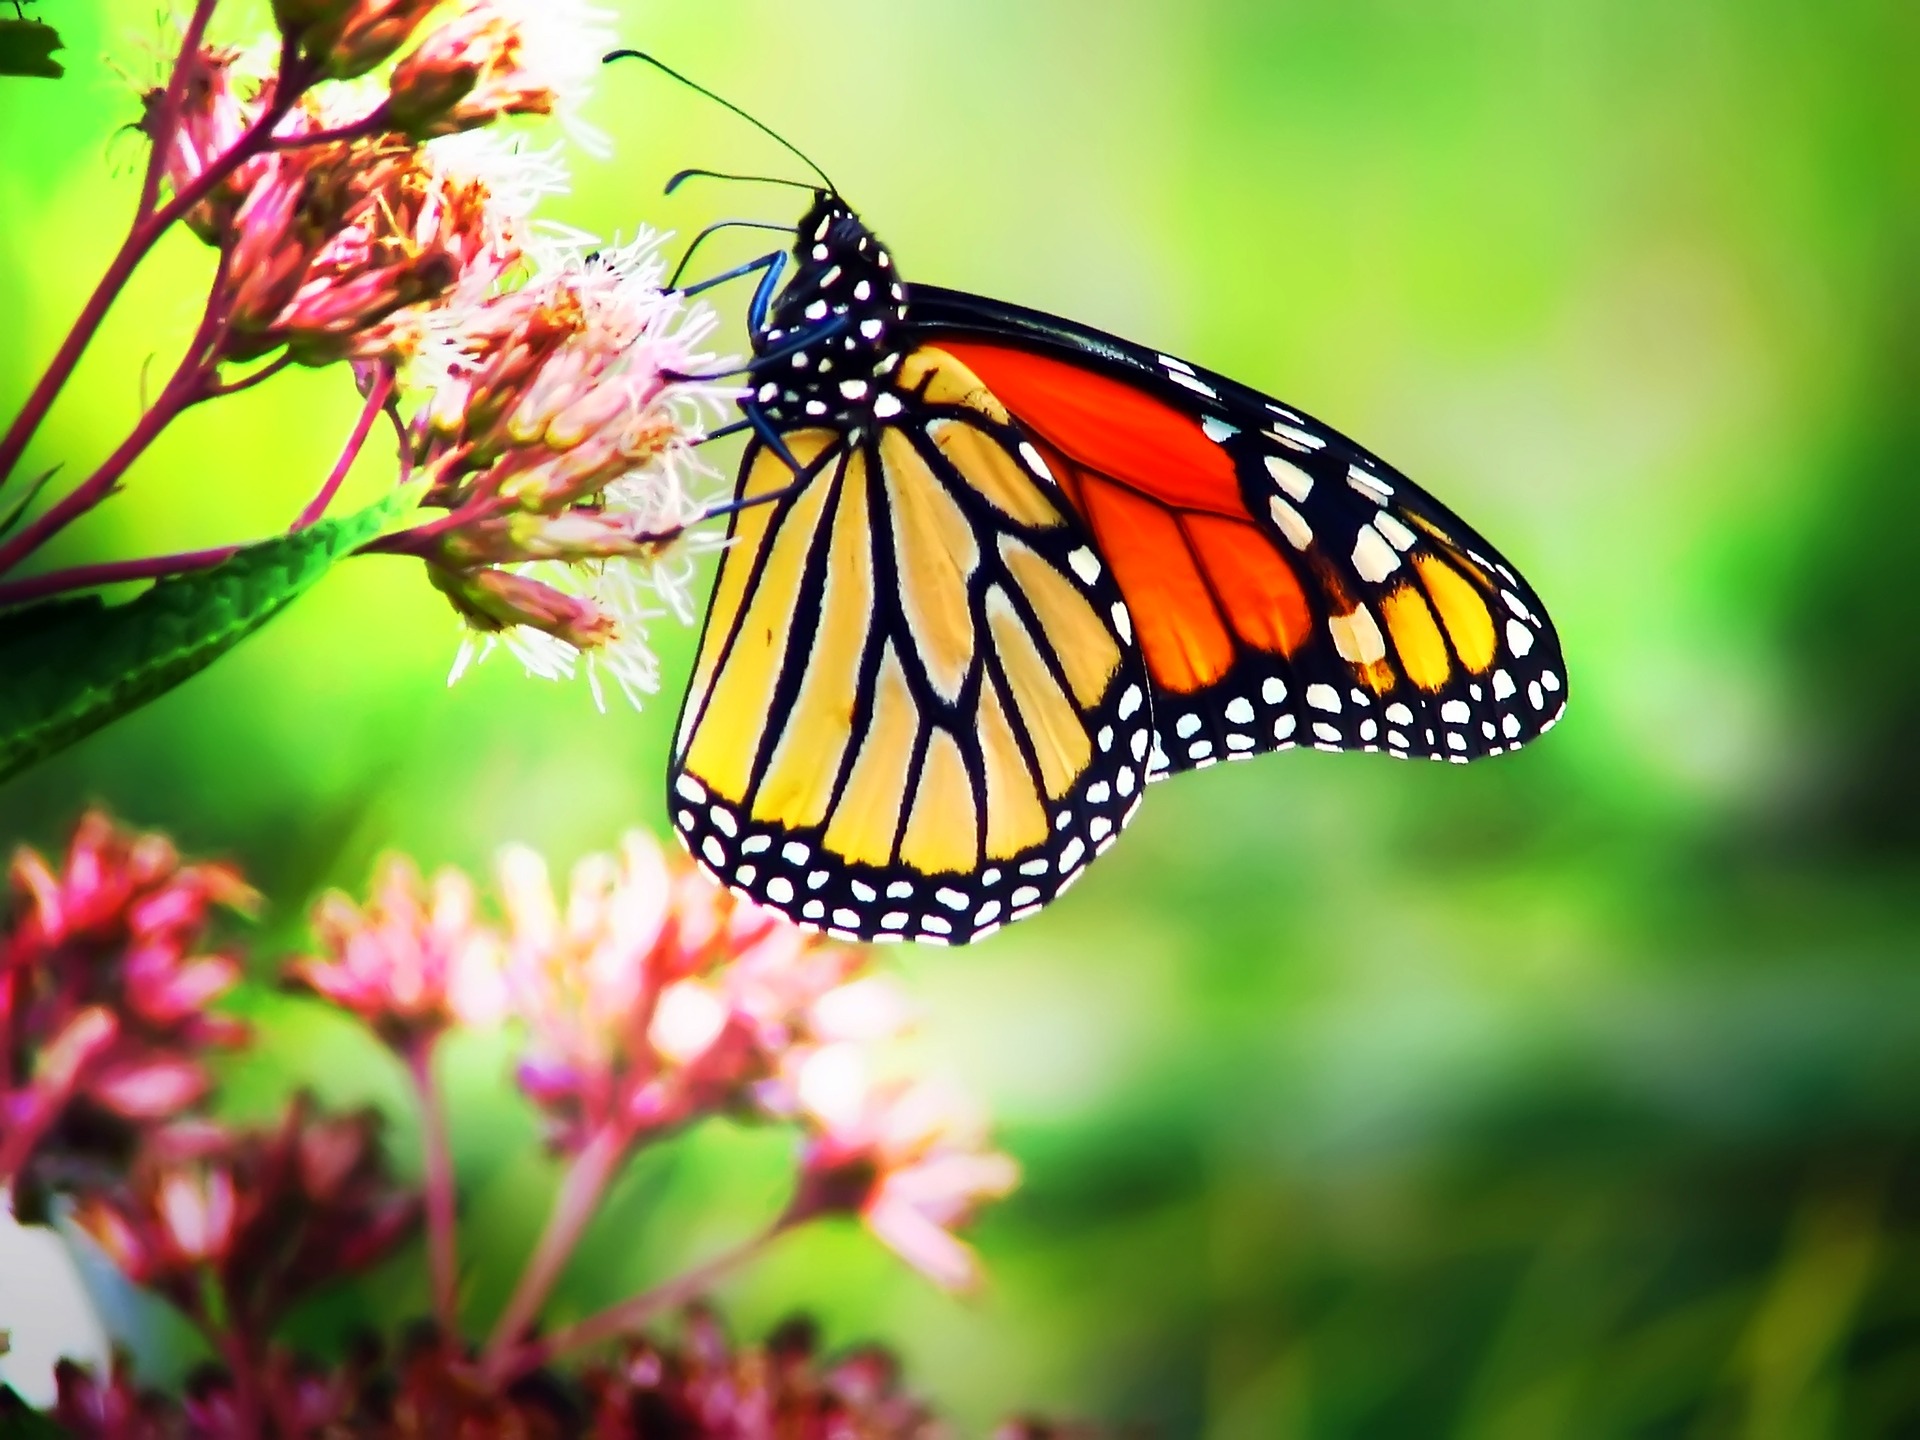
1286, 586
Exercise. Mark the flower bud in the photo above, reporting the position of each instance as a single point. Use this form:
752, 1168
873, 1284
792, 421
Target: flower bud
347, 38
492, 599
465, 73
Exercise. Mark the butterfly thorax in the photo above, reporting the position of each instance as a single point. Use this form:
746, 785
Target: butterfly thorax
828, 348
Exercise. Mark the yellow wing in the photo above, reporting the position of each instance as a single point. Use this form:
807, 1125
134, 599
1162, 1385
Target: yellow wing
918, 709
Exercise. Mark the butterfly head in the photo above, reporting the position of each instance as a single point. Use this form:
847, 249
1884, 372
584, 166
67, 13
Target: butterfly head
829, 345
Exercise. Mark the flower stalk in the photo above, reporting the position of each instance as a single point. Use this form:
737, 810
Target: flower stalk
580, 1194
440, 1196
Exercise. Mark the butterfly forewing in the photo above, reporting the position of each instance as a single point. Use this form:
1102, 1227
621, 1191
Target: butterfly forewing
1289, 587
918, 710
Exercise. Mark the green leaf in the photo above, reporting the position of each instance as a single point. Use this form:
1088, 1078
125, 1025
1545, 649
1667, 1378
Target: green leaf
19, 1422
26, 48
75, 663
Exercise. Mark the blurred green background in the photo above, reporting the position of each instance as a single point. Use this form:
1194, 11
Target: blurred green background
1577, 1093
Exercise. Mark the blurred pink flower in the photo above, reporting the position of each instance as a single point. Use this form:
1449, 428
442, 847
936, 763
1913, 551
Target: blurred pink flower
268, 1215
104, 990
412, 961
708, 1387
909, 1157
653, 995
90, 1407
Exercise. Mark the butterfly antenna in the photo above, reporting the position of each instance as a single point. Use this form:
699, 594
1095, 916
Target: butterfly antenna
696, 172
763, 128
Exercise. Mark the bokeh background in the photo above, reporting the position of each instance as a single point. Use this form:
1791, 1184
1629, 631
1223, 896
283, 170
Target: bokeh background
1577, 1093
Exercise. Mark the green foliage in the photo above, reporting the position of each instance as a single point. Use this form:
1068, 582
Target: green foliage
73, 664
26, 48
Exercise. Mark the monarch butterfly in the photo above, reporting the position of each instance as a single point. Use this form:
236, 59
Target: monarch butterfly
992, 573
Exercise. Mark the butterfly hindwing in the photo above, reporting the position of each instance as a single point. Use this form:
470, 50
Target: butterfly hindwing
918, 708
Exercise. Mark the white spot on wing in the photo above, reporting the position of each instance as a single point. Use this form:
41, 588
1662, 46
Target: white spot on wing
1324, 697
1398, 535
1368, 484
1290, 477
1373, 558
1085, 564
1292, 523
1217, 430
1294, 436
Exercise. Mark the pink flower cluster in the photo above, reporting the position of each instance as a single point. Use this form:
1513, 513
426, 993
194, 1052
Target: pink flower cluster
702, 1386
547, 419
106, 984
362, 213
648, 999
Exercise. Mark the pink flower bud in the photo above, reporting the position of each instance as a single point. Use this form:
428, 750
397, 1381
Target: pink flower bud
64, 1058
150, 1090
494, 599
197, 1210
350, 37
468, 71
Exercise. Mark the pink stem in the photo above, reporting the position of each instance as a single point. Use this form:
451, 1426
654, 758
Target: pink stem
145, 231
627, 1316
369, 412
86, 577
246, 1384
112, 572
167, 116
580, 1193
442, 1211
367, 126
248, 381
99, 485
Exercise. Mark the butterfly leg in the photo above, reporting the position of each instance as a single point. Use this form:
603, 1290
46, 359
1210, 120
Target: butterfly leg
773, 264
771, 437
